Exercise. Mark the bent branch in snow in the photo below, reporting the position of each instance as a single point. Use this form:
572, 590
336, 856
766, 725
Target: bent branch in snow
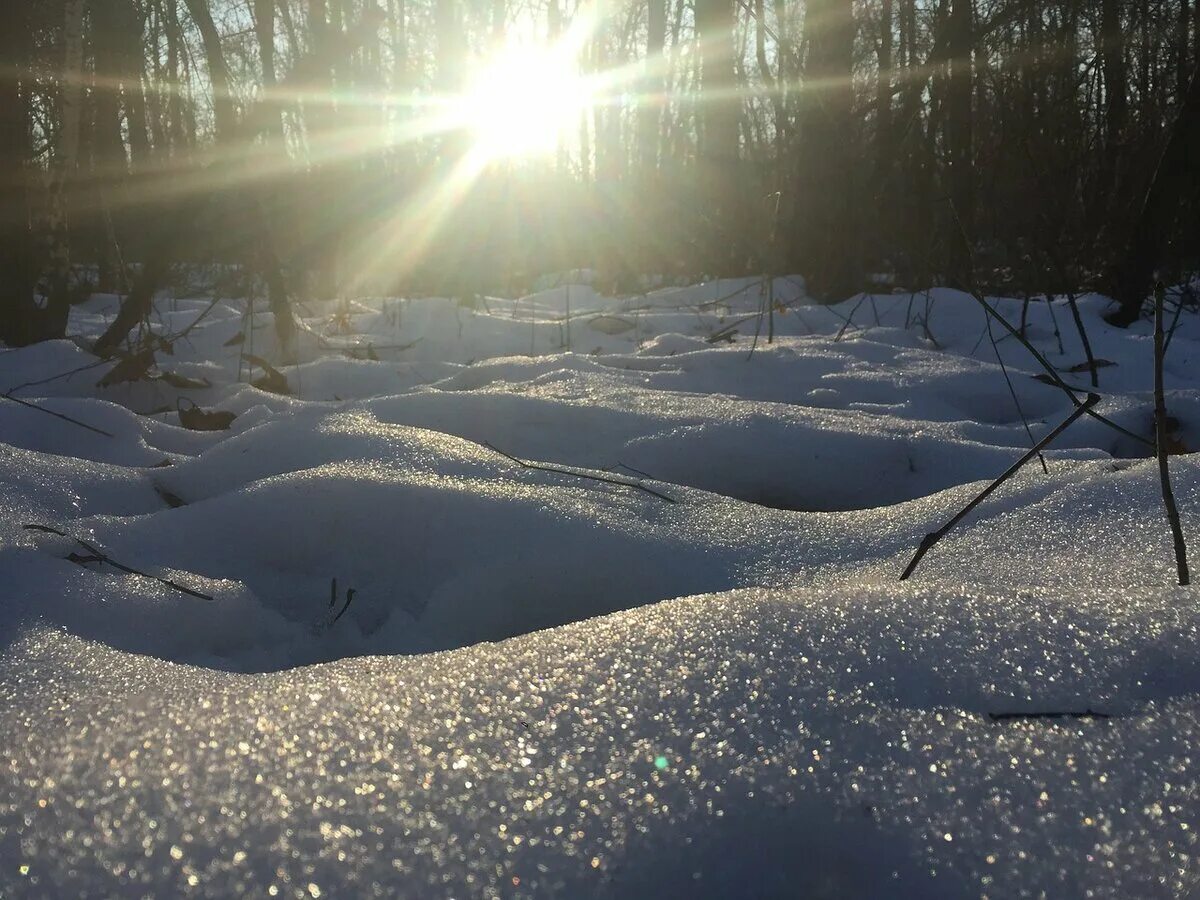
618, 481
56, 415
1160, 435
100, 556
930, 540
1055, 378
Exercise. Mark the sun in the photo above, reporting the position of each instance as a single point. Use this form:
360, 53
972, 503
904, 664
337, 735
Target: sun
523, 101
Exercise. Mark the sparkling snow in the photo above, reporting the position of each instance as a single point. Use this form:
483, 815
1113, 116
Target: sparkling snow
760, 708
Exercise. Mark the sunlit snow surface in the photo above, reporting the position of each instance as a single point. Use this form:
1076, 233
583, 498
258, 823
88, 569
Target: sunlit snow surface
812, 728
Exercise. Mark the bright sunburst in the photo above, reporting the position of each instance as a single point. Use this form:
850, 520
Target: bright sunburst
523, 100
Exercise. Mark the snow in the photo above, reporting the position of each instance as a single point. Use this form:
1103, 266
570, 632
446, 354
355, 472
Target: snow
549, 685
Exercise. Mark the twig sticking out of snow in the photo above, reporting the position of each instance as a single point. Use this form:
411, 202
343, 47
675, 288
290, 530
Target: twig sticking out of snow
333, 595
931, 539
1053, 373
588, 475
1093, 368
726, 333
100, 556
1160, 434
75, 371
51, 412
1185, 294
987, 324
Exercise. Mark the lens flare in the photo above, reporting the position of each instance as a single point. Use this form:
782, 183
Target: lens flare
523, 100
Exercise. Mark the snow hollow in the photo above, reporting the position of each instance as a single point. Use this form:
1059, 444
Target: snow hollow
574, 596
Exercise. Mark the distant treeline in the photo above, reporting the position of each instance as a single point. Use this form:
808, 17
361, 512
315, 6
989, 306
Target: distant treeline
1005, 143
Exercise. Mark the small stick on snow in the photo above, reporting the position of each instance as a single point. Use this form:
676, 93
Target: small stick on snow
1085, 714
1053, 372
540, 468
1012, 390
1083, 336
98, 555
76, 371
1160, 434
928, 542
51, 412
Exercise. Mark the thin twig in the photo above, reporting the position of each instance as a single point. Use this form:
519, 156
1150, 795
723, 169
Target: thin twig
1053, 372
1160, 434
56, 415
1184, 293
719, 300
849, 319
729, 330
1045, 363
928, 542
758, 327
170, 339
540, 468
1054, 319
349, 599
103, 557
621, 465
1085, 714
1013, 392
1087, 345
76, 371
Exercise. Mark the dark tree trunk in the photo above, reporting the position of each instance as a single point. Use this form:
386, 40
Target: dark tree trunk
133, 25
264, 26
959, 139
822, 220
109, 163
1182, 56
884, 141
224, 116
1174, 177
20, 319
650, 109
720, 111
1116, 107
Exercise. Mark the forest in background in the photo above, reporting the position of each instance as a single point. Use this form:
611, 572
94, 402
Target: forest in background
1023, 146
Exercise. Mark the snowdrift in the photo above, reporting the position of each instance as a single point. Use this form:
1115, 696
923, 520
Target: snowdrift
546, 684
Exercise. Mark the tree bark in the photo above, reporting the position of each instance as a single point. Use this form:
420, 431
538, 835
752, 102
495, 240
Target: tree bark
958, 135
822, 220
66, 163
19, 315
109, 162
650, 103
1116, 107
720, 111
1130, 279
264, 27
224, 115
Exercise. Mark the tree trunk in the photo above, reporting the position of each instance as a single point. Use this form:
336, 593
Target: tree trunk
885, 151
719, 149
132, 92
1116, 108
174, 101
264, 27
109, 163
822, 220
1182, 55
224, 116
1131, 278
958, 135
650, 105
66, 163
19, 315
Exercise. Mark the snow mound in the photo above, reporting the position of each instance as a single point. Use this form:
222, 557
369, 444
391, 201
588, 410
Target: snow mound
659, 573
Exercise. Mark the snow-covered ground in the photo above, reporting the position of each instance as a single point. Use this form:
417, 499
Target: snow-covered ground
761, 708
